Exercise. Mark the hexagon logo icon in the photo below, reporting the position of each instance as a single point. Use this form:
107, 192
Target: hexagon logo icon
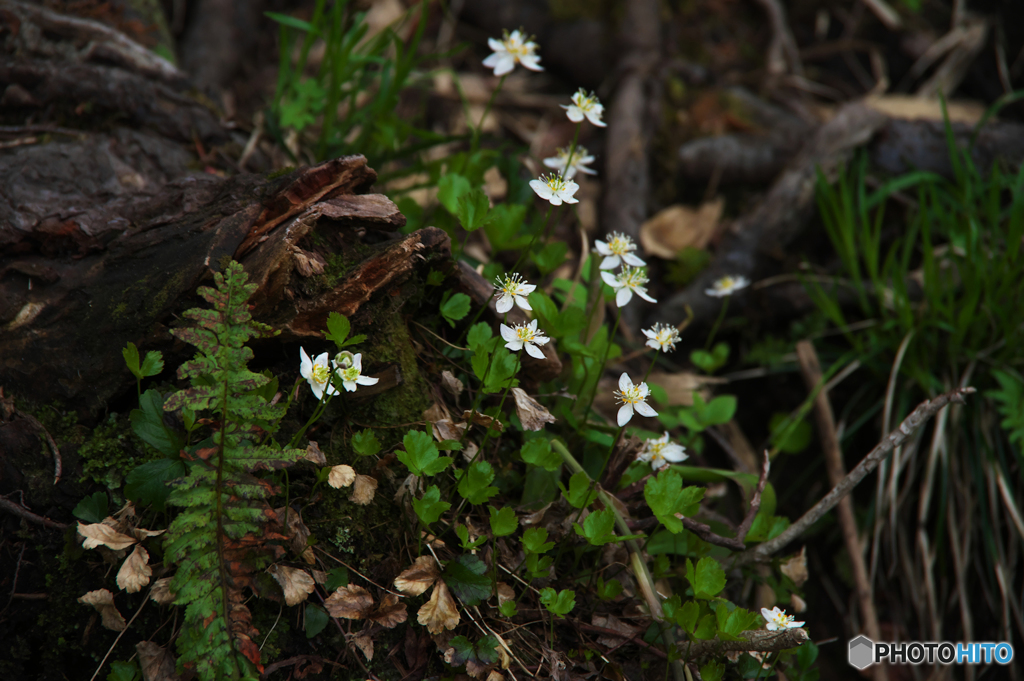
862, 652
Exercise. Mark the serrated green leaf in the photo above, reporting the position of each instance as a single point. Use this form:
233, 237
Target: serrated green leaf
478, 335
509, 609
686, 616
463, 532
148, 424
545, 310
336, 578
420, 455
791, 438
535, 540
505, 228
153, 364
131, 359
473, 209
609, 590
365, 443
550, 257
581, 492
455, 308
707, 628
504, 521
435, 278
146, 484
598, 527
461, 651
316, 620
712, 671
539, 453
450, 189
465, 576
338, 328
560, 603
124, 671
707, 578
474, 483
430, 507
93, 508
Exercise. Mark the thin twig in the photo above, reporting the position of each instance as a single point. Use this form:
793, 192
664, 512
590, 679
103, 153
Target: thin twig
119, 635
10, 506
755, 500
917, 418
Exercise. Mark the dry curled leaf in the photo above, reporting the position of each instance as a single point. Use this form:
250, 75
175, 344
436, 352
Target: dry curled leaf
671, 230
103, 601
446, 429
796, 567
418, 577
450, 383
482, 420
495, 675
530, 412
296, 583
140, 533
161, 591
314, 455
615, 624
391, 612
440, 612
363, 490
351, 602
156, 662
102, 534
365, 645
135, 571
799, 604
341, 476
505, 593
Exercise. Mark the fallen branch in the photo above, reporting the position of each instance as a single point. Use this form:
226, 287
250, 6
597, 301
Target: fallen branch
758, 641
917, 418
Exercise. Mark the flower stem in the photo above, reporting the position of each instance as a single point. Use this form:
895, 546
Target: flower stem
604, 361
718, 322
572, 150
490, 102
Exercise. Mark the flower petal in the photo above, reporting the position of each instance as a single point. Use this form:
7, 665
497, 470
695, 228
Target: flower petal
625, 383
507, 332
645, 409
522, 302
367, 380
625, 414
623, 296
533, 351
575, 114
305, 364
611, 279
602, 247
504, 304
643, 294
514, 345
633, 260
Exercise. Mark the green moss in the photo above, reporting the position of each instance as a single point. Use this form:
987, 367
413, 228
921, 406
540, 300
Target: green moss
280, 173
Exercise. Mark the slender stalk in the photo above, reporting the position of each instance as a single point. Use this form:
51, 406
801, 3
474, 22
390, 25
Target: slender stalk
604, 361
490, 102
718, 322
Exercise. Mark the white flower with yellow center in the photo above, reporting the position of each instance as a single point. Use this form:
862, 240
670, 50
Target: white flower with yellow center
660, 452
630, 280
513, 290
726, 286
779, 620
350, 368
317, 372
555, 189
585, 105
632, 397
662, 337
514, 47
568, 168
618, 248
527, 336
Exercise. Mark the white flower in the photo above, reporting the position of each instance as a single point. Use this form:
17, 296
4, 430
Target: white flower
660, 452
630, 280
514, 47
632, 397
351, 368
585, 105
318, 373
524, 335
778, 619
554, 189
726, 286
662, 337
514, 288
580, 158
617, 249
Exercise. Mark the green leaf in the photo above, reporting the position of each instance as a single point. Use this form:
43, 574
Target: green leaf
504, 521
609, 590
148, 424
580, 492
707, 579
550, 257
791, 438
505, 228
463, 532
560, 603
430, 507
598, 527
465, 576
710, 362
474, 483
420, 455
450, 189
539, 453
455, 308
131, 358
153, 364
686, 616
462, 651
712, 671
336, 578
435, 278
365, 443
316, 620
545, 309
291, 22
123, 671
707, 628
93, 508
338, 328
720, 410
503, 371
535, 540
478, 335
509, 609
472, 210
806, 655
147, 483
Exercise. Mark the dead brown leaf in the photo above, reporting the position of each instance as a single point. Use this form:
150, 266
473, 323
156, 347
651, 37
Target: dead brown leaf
505, 593
314, 455
671, 230
418, 577
351, 602
440, 612
103, 601
161, 591
482, 420
363, 490
365, 645
446, 429
156, 662
450, 383
135, 571
796, 567
495, 675
102, 534
530, 412
679, 387
296, 583
391, 612
615, 624
341, 476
